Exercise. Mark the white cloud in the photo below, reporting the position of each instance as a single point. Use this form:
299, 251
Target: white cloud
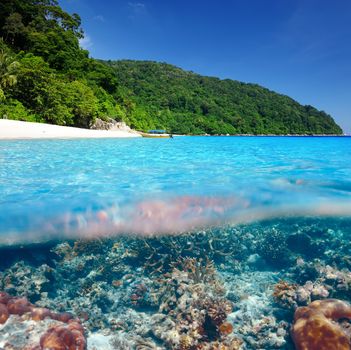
137, 9
86, 42
137, 5
99, 18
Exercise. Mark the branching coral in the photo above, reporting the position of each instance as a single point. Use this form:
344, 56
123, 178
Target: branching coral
197, 270
315, 326
157, 254
188, 277
195, 312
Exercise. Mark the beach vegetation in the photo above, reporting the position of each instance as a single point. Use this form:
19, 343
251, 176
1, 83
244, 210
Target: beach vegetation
8, 72
14, 109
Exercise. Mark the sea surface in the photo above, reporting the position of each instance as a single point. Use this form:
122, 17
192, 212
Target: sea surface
51, 187
117, 220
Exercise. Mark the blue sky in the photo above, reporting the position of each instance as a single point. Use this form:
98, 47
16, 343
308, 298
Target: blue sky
301, 48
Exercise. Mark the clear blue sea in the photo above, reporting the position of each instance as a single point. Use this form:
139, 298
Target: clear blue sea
175, 244
68, 187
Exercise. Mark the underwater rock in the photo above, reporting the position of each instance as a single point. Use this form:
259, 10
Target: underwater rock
315, 326
304, 271
256, 262
97, 341
264, 333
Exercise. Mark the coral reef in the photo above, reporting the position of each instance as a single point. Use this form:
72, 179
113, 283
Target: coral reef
320, 281
157, 254
234, 287
69, 337
60, 331
314, 329
254, 317
192, 311
273, 247
23, 279
285, 294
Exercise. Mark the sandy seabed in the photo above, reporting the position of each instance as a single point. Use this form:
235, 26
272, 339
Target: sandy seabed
14, 129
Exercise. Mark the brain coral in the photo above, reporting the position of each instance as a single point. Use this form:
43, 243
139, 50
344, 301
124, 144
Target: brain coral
69, 335
4, 314
315, 326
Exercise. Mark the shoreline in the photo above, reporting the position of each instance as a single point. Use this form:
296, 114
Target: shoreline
20, 130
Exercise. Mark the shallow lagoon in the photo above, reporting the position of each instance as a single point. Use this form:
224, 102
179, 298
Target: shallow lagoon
188, 236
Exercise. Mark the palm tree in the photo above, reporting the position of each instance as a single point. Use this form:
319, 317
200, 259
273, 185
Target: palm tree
8, 70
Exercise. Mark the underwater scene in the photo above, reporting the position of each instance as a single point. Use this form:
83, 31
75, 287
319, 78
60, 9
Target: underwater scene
211, 243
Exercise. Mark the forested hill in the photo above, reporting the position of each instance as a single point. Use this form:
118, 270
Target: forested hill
45, 76
184, 102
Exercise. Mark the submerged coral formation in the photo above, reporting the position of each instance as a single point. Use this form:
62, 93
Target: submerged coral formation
314, 329
234, 287
62, 332
193, 306
64, 337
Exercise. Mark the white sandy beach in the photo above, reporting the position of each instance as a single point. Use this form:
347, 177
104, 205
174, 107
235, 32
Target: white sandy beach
14, 129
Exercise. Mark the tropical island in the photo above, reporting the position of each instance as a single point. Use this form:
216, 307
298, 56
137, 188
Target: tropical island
46, 77
195, 243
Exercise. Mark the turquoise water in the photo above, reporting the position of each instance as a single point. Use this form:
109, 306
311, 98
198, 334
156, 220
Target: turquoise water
149, 186
265, 223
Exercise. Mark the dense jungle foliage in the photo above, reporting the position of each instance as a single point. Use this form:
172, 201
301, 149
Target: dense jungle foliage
189, 103
46, 76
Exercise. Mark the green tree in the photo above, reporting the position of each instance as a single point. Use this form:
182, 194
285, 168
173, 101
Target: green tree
8, 72
13, 109
13, 27
83, 103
